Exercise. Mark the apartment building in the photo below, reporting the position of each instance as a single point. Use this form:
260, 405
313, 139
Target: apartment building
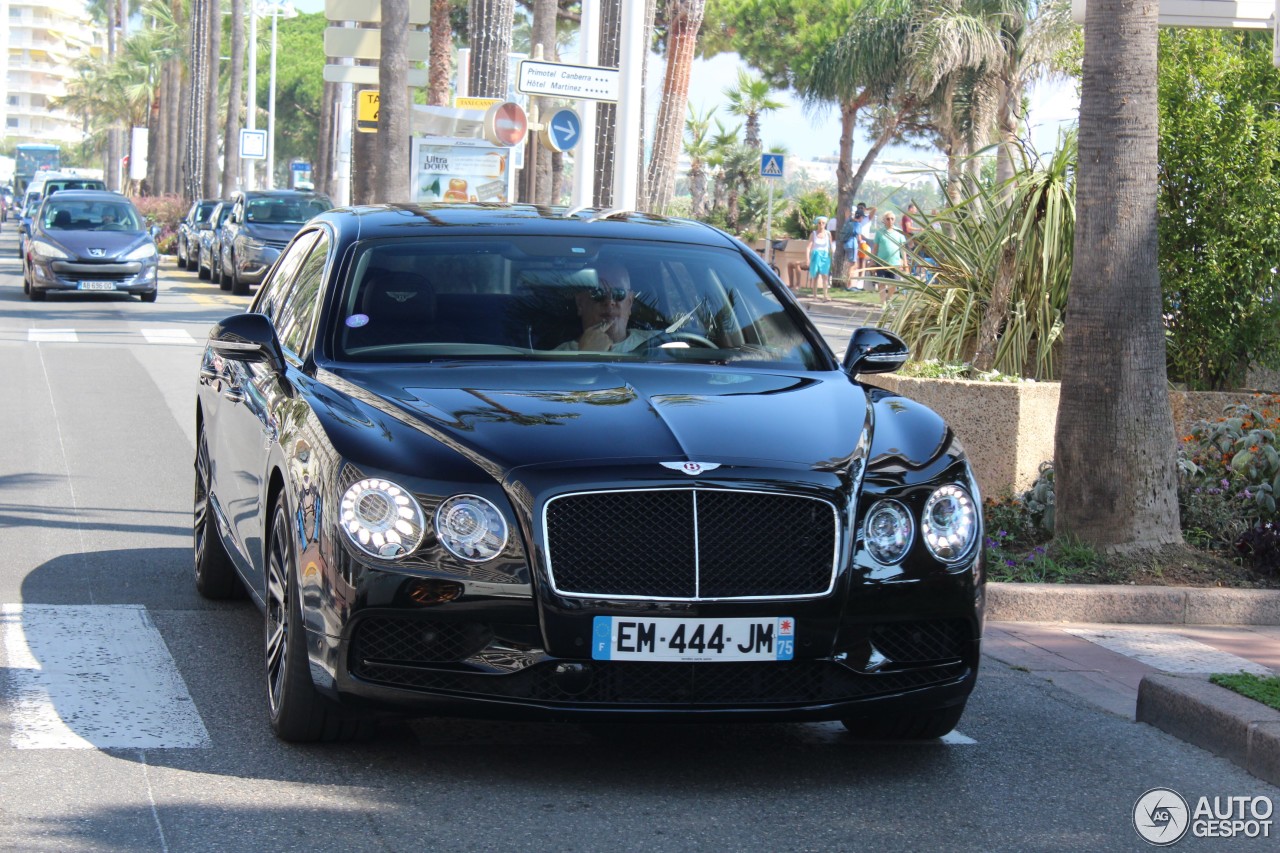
43, 39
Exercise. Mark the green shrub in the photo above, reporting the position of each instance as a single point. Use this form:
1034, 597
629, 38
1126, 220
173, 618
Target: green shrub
804, 210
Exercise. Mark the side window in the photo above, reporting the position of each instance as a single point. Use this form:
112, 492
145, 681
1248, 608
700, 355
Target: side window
275, 292
298, 315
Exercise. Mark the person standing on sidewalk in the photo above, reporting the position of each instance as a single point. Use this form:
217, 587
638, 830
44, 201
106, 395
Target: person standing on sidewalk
820, 257
890, 257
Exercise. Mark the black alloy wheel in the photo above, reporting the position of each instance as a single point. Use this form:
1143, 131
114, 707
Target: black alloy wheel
216, 576
910, 725
299, 714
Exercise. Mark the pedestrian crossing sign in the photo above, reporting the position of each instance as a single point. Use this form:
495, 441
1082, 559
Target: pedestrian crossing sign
771, 165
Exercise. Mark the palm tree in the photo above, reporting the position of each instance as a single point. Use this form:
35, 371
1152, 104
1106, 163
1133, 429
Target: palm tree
441, 63
1114, 460
723, 142
393, 104
235, 96
749, 99
697, 147
490, 23
684, 19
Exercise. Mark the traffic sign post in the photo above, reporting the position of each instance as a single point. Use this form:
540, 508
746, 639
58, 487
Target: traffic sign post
562, 130
771, 166
253, 144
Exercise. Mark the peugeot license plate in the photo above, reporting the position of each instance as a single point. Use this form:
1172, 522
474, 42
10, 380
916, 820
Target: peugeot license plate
97, 285
666, 639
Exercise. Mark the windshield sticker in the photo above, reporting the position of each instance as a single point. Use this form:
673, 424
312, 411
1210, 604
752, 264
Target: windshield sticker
355, 321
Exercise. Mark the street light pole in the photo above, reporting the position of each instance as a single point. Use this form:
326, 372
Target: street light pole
251, 165
271, 103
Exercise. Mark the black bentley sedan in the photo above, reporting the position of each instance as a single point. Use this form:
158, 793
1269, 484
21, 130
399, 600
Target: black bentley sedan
521, 461
89, 241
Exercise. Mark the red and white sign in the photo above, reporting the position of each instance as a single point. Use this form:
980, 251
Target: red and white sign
505, 124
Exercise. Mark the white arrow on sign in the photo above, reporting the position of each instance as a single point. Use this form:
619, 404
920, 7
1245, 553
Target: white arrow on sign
568, 131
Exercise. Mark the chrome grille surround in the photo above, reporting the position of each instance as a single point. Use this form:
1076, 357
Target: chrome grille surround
680, 544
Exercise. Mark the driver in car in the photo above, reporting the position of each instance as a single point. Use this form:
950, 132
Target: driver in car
605, 310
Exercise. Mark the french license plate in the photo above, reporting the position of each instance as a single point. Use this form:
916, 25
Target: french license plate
97, 285
667, 639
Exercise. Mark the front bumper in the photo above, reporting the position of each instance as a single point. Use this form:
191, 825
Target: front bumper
914, 645
134, 277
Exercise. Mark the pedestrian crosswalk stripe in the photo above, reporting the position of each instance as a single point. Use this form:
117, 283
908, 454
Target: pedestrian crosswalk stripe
51, 335
168, 336
93, 677
1168, 651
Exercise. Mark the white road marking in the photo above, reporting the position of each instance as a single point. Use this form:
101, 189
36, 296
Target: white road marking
1168, 651
957, 738
168, 336
51, 335
94, 677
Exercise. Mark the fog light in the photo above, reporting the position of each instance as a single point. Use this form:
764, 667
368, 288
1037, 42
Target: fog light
429, 591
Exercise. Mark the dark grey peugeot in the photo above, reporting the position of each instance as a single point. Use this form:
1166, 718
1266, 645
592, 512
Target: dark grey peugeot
89, 241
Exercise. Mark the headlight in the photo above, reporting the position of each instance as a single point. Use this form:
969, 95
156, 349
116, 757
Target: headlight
48, 251
382, 519
141, 253
889, 530
949, 523
471, 528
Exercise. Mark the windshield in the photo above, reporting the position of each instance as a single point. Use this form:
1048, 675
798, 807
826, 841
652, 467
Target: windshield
284, 211
564, 299
59, 215
205, 210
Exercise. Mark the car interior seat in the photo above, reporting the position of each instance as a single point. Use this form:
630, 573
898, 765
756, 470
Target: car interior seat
62, 219
395, 307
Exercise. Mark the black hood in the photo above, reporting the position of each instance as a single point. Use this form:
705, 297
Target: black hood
575, 413
271, 232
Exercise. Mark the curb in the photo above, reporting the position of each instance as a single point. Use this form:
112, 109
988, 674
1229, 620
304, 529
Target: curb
1216, 719
1142, 605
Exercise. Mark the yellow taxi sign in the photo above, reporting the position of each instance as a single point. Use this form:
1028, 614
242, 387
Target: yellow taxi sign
464, 103
367, 110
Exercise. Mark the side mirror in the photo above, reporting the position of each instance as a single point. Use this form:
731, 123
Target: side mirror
155, 231
249, 338
874, 351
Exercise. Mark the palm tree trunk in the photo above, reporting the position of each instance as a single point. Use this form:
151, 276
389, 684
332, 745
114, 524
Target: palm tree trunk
231, 146
607, 114
441, 54
697, 191
491, 23
544, 35
322, 175
211, 111
113, 135
685, 20
193, 118
364, 160
1115, 474
178, 98
845, 188
393, 104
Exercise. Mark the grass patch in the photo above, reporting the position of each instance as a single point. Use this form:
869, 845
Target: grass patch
1263, 689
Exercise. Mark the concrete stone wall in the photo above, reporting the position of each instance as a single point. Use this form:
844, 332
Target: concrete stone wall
1007, 428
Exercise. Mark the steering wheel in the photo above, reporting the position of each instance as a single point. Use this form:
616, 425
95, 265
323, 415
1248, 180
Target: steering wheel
663, 337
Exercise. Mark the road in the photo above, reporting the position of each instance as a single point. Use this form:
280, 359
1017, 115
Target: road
132, 712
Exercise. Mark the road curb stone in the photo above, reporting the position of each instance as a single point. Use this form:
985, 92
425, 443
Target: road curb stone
1143, 605
1215, 719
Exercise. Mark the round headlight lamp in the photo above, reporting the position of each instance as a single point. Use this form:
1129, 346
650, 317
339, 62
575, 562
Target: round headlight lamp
949, 523
382, 519
471, 528
889, 531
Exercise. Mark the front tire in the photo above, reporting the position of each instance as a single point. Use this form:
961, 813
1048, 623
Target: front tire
911, 725
216, 576
299, 714
238, 287
150, 297
36, 295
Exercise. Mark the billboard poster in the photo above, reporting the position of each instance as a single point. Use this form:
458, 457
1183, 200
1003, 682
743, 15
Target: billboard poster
447, 169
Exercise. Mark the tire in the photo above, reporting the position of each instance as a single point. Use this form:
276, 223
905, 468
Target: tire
203, 272
238, 287
149, 297
216, 576
299, 714
36, 295
180, 249
911, 725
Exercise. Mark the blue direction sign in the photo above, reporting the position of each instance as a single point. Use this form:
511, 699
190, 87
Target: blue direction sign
771, 165
562, 130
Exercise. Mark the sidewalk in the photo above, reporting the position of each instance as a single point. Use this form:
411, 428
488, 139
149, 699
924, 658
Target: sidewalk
1152, 662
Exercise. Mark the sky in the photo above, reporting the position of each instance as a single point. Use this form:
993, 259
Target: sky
808, 135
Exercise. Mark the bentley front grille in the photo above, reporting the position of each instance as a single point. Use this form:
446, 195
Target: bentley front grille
690, 544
